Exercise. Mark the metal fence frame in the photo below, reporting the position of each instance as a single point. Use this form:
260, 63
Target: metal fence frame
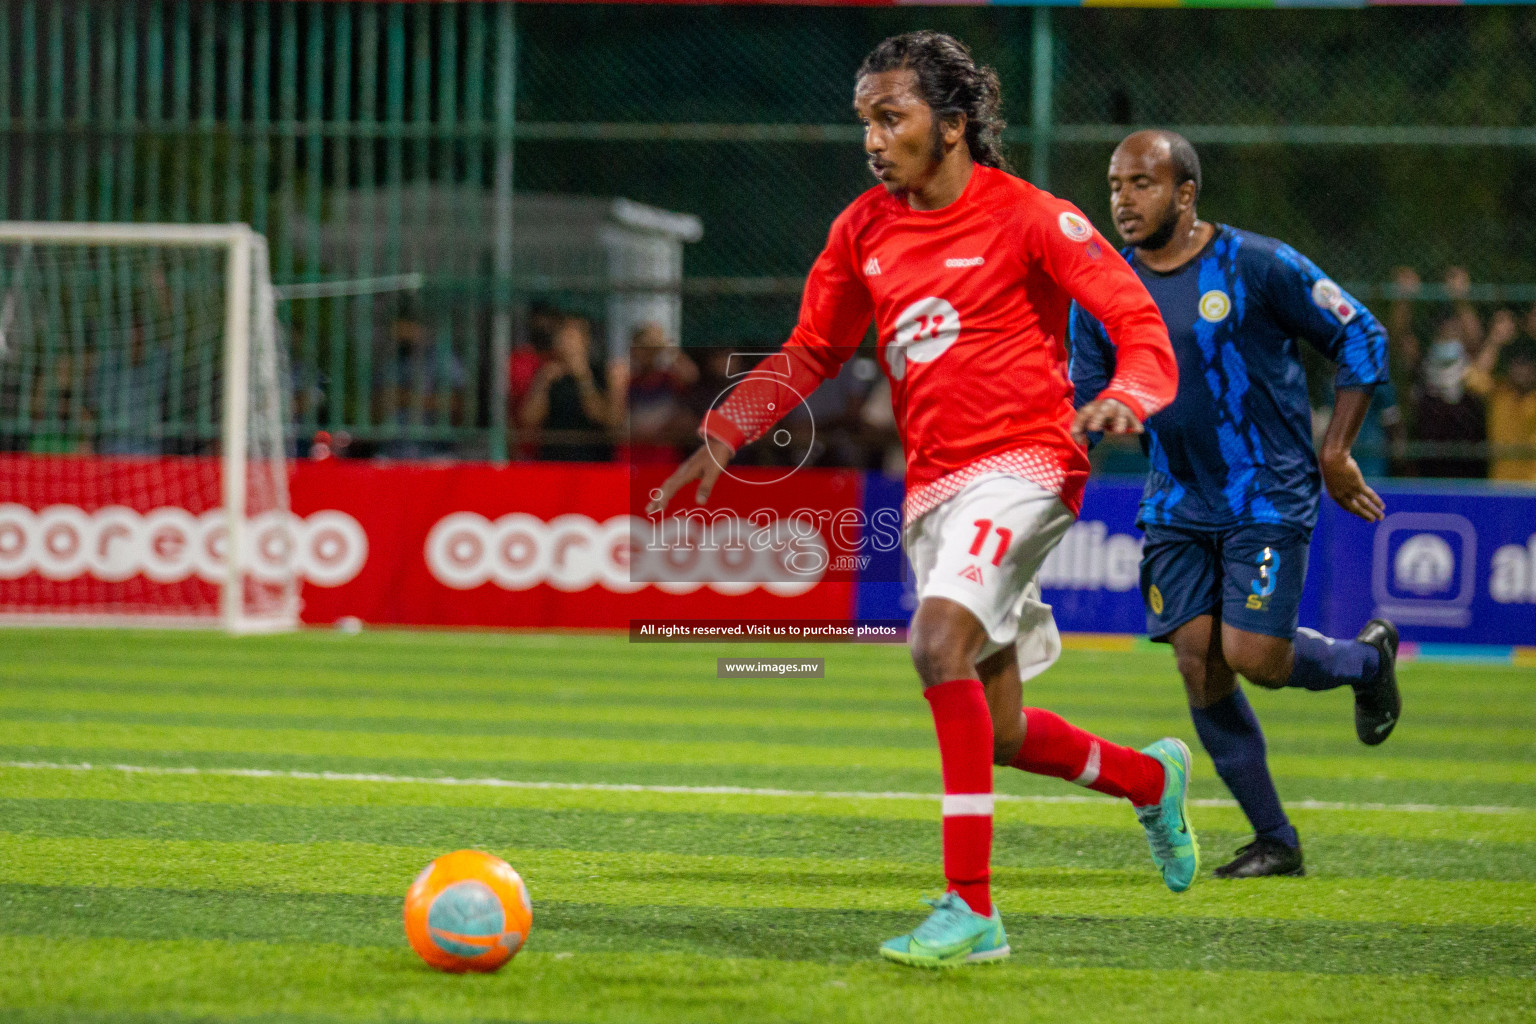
163, 100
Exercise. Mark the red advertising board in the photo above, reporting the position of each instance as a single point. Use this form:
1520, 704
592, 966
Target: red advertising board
536, 545
128, 535
528, 545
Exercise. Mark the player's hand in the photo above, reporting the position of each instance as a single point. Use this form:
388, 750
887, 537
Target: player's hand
1104, 414
704, 465
1347, 486
1503, 328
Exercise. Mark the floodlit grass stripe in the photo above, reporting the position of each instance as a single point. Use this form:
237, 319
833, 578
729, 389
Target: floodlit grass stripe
1020, 843
795, 777
742, 791
776, 934
671, 879
246, 979
632, 709
452, 748
663, 719
859, 677
345, 743
67, 782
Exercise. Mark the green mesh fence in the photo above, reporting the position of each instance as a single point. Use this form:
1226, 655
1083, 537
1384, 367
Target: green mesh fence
388, 149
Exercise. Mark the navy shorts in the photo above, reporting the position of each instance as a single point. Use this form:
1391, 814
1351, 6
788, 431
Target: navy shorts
1249, 577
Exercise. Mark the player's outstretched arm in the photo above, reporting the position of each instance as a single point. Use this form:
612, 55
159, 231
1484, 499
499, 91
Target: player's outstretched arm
1341, 474
704, 465
1104, 414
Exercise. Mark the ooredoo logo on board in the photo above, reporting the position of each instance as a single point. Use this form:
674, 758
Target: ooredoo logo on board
624, 554
170, 545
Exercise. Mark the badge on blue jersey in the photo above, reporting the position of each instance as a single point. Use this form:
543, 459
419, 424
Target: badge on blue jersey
1331, 297
1214, 306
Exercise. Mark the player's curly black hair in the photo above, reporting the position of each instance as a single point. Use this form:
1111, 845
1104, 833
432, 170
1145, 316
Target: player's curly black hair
951, 82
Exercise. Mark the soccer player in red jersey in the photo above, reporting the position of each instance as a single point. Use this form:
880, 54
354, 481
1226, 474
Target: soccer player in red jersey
969, 274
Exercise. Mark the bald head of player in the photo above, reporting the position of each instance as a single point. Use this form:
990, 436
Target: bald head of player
1154, 182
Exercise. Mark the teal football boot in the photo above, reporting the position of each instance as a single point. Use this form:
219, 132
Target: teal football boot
1175, 850
953, 934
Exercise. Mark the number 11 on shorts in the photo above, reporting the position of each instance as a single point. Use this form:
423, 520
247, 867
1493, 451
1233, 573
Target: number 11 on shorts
1004, 538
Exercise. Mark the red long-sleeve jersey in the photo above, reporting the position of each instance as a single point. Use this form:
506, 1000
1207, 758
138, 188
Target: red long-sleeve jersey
971, 305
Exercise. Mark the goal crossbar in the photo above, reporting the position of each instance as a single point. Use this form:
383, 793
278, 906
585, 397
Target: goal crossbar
81, 233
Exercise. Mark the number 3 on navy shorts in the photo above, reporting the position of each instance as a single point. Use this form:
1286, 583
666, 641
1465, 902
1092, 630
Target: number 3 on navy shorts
1250, 576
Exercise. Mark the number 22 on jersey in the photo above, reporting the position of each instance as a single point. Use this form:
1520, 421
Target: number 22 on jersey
924, 331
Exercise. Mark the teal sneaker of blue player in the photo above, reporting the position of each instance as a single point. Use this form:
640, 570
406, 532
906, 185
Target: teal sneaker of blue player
1175, 850
953, 934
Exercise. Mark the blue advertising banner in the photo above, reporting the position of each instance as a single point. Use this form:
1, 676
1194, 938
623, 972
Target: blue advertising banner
1448, 566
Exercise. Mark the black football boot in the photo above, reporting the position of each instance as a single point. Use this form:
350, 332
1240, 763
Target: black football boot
1264, 857
1379, 703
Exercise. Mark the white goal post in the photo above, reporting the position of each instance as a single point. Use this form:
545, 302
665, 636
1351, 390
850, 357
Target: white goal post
143, 411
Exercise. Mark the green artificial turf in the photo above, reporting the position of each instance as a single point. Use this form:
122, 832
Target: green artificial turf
195, 890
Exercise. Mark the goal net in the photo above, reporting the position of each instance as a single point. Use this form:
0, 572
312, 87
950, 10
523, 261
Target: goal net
143, 475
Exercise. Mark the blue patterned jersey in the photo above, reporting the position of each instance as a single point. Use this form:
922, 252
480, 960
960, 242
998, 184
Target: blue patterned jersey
1235, 446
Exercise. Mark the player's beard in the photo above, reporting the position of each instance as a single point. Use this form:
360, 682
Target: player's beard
1163, 233
936, 149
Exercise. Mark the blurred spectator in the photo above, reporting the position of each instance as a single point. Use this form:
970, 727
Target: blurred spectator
1504, 374
1404, 333
878, 416
715, 367
129, 392
570, 400
659, 376
328, 445
1458, 289
419, 388
1446, 414
1401, 336
61, 418
530, 353
831, 421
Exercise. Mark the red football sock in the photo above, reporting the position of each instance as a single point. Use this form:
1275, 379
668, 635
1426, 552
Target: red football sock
964, 725
1054, 746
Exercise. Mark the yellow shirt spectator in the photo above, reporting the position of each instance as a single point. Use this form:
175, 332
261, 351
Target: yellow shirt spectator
1511, 423
1511, 400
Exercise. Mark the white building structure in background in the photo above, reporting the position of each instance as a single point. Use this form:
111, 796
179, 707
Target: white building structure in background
612, 257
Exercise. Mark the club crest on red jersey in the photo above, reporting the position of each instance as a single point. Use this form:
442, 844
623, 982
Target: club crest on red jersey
1074, 226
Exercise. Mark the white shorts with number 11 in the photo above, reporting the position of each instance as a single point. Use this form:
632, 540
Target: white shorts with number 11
983, 549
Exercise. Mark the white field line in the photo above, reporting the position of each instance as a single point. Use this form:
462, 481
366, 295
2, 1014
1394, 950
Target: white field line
632, 787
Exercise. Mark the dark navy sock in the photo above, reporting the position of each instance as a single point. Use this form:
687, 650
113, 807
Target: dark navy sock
1230, 732
1323, 663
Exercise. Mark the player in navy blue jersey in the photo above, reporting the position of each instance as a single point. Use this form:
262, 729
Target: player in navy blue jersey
1232, 495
